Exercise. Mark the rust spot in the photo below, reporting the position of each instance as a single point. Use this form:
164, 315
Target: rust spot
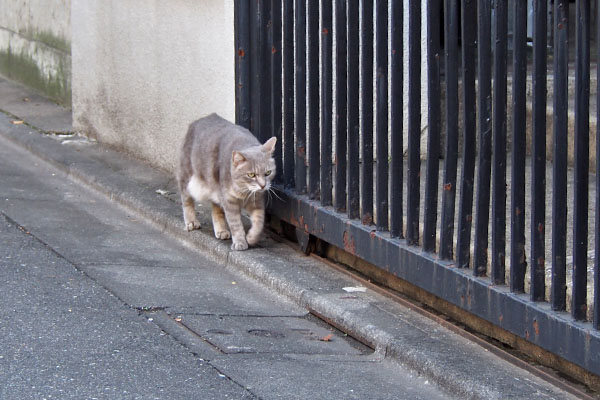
448, 186
273, 50
294, 221
527, 334
305, 227
349, 244
536, 327
500, 318
372, 234
301, 221
302, 152
326, 31
469, 218
517, 211
540, 261
540, 228
394, 51
367, 219
560, 26
241, 53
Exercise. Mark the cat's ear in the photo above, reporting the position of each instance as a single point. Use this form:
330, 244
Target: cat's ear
269, 146
237, 158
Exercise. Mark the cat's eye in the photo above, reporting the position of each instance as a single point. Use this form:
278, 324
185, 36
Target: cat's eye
251, 175
268, 173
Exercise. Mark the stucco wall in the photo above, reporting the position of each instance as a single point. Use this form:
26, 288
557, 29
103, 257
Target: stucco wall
35, 45
144, 69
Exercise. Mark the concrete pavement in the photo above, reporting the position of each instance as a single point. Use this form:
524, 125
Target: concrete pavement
189, 318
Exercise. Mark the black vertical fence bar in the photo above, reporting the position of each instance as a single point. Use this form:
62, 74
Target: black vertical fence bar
538, 159
353, 110
382, 114
396, 116
484, 39
596, 321
414, 123
451, 153
256, 69
499, 139
341, 106
558, 290
366, 130
276, 90
300, 29
433, 138
580, 204
265, 28
288, 93
519, 132
242, 34
327, 101
313, 100
469, 54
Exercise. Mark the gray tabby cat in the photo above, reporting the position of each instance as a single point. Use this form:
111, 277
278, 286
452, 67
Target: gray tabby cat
225, 163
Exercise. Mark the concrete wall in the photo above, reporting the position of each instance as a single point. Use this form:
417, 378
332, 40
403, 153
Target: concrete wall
35, 45
144, 69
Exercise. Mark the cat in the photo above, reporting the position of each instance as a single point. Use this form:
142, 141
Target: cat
224, 163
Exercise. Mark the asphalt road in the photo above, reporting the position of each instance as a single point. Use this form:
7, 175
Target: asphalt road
97, 304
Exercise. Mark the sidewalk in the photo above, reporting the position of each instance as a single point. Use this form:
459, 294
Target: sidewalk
413, 356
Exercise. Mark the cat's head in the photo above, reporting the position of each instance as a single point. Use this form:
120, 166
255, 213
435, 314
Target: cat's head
253, 169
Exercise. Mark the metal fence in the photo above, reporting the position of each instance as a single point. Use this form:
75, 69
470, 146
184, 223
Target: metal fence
326, 78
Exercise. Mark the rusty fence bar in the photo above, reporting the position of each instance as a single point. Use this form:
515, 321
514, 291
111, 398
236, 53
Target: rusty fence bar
326, 102
359, 189
300, 103
518, 263
484, 163
313, 100
582, 132
433, 138
275, 41
538, 157
341, 97
396, 119
558, 294
451, 153
381, 200
366, 119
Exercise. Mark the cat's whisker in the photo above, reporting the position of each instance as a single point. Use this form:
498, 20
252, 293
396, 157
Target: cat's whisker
271, 190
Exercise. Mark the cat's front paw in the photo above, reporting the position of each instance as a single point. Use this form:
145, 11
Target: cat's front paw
191, 225
223, 235
239, 245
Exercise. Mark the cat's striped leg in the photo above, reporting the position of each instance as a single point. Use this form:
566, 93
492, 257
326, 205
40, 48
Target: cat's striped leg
234, 220
189, 212
257, 216
219, 223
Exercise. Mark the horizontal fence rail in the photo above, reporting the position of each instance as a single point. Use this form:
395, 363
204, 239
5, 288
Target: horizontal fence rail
461, 165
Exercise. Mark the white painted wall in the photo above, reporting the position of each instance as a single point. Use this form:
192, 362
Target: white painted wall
144, 69
35, 38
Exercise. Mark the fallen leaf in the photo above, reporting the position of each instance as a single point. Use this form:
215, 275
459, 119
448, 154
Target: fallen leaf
17, 122
327, 338
178, 319
163, 192
352, 289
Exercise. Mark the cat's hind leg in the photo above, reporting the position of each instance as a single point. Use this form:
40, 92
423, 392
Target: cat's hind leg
189, 211
219, 223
